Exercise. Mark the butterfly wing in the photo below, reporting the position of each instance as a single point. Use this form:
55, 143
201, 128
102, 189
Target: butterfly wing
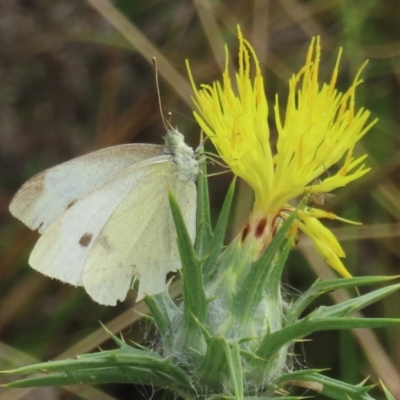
122, 230
139, 241
48, 194
62, 249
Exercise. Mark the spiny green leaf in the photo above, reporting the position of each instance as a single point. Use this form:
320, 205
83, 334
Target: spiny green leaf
321, 287
163, 310
275, 275
95, 376
204, 233
252, 289
273, 342
310, 379
211, 264
348, 306
232, 354
194, 295
214, 368
106, 366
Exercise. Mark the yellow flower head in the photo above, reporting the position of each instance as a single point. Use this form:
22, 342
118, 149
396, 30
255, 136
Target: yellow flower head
320, 128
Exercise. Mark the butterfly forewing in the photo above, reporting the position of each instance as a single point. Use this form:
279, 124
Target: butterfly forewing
48, 194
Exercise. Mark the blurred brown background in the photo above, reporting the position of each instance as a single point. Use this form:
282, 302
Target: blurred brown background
76, 75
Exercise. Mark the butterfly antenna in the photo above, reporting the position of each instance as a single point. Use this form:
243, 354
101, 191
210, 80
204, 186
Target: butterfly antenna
165, 121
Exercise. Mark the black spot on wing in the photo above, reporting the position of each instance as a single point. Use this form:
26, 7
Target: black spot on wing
85, 240
70, 204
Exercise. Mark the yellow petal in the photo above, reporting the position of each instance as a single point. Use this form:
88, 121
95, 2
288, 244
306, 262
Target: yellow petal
318, 213
331, 258
318, 232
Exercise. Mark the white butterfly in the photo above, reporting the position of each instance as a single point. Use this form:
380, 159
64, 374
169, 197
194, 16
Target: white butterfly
105, 217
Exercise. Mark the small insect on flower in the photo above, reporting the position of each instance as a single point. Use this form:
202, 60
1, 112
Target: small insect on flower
318, 198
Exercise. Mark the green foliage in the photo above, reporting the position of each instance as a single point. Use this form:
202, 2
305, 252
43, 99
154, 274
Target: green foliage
126, 364
230, 336
312, 379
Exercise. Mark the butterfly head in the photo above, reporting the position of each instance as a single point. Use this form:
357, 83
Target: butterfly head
182, 155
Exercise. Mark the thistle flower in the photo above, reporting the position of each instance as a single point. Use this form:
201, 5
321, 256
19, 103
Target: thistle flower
231, 335
320, 129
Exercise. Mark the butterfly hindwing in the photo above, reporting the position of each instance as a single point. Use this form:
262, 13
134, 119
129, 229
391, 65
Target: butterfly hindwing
139, 241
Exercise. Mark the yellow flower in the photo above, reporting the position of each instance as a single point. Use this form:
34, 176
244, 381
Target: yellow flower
320, 128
